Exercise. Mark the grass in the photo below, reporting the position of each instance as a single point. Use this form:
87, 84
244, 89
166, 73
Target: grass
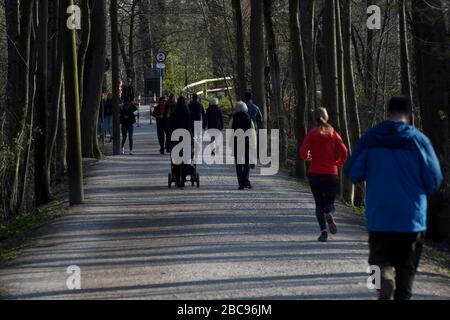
15, 233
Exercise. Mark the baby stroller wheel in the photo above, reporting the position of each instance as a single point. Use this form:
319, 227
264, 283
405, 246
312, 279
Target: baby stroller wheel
170, 180
198, 180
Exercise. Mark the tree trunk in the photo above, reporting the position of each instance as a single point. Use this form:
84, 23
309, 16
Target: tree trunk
432, 68
330, 67
18, 27
275, 74
41, 184
72, 98
307, 26
404, 53
93, 83
115, 75
299, 79
350, 92
240, 50
85, 39
257, 57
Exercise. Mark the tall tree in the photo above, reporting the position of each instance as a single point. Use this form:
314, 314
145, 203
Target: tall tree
18, 28
257, 56
93, 81
300, 82
347, 186
350, 91
432, 56
275, 75
42, 185
240, 50
330, 64
72, 101
404, 52
115, 75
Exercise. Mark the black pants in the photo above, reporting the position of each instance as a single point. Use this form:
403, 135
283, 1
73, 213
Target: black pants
324, 188
161, 129
243, 174
127, 130
397, 255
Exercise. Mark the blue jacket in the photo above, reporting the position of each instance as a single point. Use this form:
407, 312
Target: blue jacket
400, 167
254, 112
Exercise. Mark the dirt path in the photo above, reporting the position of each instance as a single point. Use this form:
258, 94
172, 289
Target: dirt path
134, 238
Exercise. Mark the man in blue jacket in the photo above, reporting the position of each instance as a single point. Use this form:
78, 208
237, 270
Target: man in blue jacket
401, 169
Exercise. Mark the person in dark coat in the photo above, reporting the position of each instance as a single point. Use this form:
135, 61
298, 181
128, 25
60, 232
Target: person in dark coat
128, 92
169, 108
241, 120
197, 110
180, 119
161, 123
127, 120
213, 118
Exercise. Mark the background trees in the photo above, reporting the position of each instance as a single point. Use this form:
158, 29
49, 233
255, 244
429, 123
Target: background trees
293, 55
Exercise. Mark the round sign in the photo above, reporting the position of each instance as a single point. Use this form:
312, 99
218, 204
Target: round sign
161, 57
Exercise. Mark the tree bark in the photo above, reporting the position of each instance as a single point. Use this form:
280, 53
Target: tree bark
275, 74
330, 69
257, 57
115, 76
432, 74
300, 83
41, 183
93, 83
72, 101
240, 50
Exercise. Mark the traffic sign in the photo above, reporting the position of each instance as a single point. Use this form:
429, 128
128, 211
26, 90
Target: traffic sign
161, 66
161, 57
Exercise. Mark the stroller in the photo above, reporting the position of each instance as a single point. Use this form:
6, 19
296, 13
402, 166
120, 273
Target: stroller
190, 170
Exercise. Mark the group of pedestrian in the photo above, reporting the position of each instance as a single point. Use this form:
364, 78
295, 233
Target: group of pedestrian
128, 107
400, 168
171, 115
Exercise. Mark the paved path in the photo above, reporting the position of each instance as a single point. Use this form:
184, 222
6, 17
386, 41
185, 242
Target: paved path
135, 239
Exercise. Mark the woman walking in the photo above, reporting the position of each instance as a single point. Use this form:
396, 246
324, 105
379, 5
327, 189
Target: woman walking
322, 146
243, 154
213, 120
127, 120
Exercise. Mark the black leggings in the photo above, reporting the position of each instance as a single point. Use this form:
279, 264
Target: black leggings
127, 130
324, 188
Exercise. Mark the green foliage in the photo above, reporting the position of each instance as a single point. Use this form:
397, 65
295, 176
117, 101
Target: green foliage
14, 232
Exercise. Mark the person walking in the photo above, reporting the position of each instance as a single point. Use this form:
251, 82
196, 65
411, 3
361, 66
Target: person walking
169, 108
127, 120
128, 92
197, 112
161, 123
321, 147
400, 168
180, 119
214, 120
253, 111
243, 154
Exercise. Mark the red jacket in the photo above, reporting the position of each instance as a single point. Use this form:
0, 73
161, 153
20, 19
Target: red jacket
325, 150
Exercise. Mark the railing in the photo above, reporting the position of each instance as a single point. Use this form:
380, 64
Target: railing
206, 90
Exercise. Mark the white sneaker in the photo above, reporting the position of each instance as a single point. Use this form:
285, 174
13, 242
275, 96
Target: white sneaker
123, 150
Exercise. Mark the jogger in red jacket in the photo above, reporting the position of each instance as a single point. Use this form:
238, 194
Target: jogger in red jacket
326, 151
